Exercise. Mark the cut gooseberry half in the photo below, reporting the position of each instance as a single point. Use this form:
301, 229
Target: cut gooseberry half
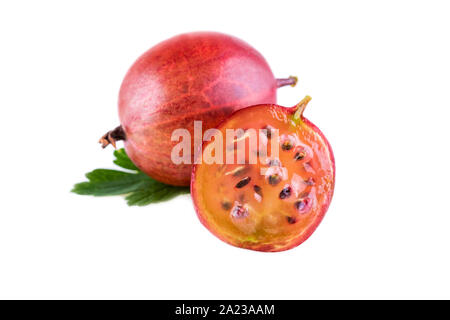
281, 199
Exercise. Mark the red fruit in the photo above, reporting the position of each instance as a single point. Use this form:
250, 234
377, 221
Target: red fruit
197, 76
276, 203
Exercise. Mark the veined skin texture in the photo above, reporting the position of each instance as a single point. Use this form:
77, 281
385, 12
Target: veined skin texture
197, 76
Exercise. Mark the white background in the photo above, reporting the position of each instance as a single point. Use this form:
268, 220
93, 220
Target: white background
379, 75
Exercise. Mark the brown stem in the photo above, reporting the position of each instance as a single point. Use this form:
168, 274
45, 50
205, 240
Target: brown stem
291, 81
112, 136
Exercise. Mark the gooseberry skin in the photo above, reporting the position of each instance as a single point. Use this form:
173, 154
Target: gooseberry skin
290, 223
196, 76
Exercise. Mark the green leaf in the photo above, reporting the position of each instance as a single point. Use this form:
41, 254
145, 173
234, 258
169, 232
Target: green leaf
104, 182
123, 161
143, 197
140, 189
